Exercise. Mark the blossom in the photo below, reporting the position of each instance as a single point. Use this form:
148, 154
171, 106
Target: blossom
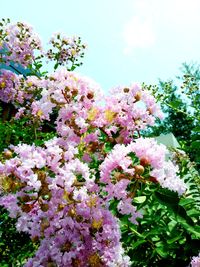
61, 193
20, 43
148, 148
58, 205
9, 86
126, 207
65, 50
150, 154
117, 158
195, 262
168, 178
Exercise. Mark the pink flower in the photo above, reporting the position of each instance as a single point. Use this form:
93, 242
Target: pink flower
195, 261
126, 207
148, 148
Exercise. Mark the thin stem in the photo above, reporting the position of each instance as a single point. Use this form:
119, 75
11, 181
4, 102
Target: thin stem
138, 133
181, 111
35, 130
19, 72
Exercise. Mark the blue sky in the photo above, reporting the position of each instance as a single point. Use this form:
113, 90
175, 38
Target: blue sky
128, 40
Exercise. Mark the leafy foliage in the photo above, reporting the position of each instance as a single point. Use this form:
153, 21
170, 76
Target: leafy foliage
168, 232
180, 101
15, 247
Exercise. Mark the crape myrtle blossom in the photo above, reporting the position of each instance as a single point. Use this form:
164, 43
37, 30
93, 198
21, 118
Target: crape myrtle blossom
126, 110
20, 43
167, 177
148, 148
78, 102
118, 165
75, 246
72, 96
66, 49
61, 193
54, 191
195, 262
54, 201
164, 171
17, 90
125, 207
9, 85
42, 107
56, 196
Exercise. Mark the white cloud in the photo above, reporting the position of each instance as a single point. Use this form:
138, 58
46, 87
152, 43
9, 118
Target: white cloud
155, 20
138, 33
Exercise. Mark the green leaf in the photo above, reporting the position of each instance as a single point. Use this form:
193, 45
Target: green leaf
193, 213
195, 230
140, 199
186, 201
113, 206
171, 225
39, 66
73, 67
172, 204
174, 239
161, 249
136, 233
138, 243
108, 147
154, 232
196, 144
171, 201
56, 66
176, 103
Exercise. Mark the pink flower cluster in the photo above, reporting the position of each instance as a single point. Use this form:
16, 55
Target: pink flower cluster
195, 262
65, 50
61, 193
71, 95
77, 99
17, 90
54, 190
118, 165
9, 84
54, 196
20, 43
127, 110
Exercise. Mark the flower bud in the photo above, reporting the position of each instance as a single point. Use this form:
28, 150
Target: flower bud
126, 90
75, 262
24, 198
7, 154
139, 169
44, 224
153, 179
27, 207
66, 247
51, 264
94, 260
44, 207
144, 161
35, 239
90, 95
72, 212
138, 96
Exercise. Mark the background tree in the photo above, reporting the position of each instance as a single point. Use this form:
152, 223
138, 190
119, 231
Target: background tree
180, 101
